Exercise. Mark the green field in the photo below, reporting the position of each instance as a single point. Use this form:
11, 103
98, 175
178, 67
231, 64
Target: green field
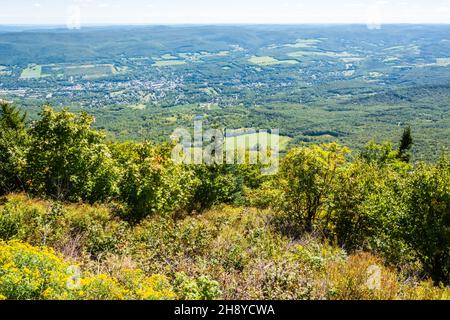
139, 106
169, 63
304, 43
32, 72
168, 57
250, 141
330, 54
269, 61
87, 71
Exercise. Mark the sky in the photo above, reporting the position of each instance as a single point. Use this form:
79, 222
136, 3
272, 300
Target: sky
76, 13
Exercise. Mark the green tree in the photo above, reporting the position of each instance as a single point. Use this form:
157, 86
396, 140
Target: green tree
68, 160
351, 223
13, 146
367, 207
384, 156
406, 143
426, 224
218, 183
307, 179
379, 154
152, 184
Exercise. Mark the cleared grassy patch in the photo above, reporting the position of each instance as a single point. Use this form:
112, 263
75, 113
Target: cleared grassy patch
138, 106
168, 57
32, 72
304, 43
87, 71
330, 54
269, 61
250, 141
169, 63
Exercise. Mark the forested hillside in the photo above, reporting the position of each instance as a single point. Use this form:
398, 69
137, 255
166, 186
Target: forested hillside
82, 217
316, 83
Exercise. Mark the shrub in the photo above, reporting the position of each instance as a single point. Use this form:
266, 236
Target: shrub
68, 160
153, 184
307, 179
33, 221
37, 273
28, 272
133, 285
13, 146
366, 209
201, 288
141, 287
360, 277
219, 183
426, 223
425, 290
265, 196
91, 229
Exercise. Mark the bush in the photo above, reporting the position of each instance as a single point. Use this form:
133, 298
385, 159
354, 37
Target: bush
76, 228
217, 184
152, 184
33, 221
360, 277
426, 222
28, 272
68, 160
38, 273
366, 209
307, 179
201, 288
13, 146
133, 285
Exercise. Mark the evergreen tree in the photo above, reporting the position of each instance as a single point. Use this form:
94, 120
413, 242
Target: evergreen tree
406, 143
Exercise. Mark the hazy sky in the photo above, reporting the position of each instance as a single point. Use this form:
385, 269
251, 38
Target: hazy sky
82, 12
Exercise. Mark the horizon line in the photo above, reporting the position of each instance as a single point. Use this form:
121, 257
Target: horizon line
101, 24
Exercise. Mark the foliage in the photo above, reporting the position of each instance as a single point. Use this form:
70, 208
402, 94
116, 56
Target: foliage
73, 229
308, 176
68, 160
159, 230
367, 207
201, 288
13, 146
427, 218
406, 144
193, 252
28, 272
379, 154
217, 184
152, 184
360, 277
